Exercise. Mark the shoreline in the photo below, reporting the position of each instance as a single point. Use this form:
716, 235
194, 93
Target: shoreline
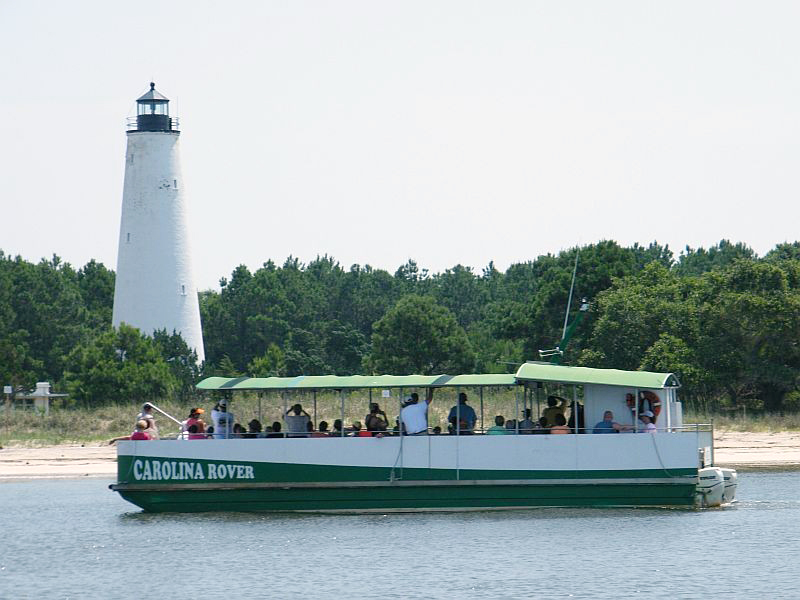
739, 450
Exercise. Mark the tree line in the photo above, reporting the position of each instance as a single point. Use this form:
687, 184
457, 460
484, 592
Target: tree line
725, 320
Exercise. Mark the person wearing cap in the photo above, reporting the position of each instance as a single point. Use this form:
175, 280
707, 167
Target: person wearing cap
195, 418
147, 416
646, 417
414, 415
462, 417
223, 420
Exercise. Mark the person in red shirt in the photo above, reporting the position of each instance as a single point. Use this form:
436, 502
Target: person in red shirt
140, 433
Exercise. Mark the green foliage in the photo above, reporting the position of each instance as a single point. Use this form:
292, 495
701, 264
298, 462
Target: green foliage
723, 319
419, 336
118, 365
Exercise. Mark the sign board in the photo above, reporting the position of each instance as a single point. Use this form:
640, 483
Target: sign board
7, 389
386, 393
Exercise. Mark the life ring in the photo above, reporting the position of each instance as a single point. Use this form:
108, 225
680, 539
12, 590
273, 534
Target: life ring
647, 401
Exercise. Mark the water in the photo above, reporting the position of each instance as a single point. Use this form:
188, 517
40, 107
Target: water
76, 539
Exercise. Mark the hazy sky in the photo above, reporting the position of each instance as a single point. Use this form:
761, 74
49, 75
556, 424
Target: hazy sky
447, 132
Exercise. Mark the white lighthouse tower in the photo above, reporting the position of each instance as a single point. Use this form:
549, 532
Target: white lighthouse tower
155, 286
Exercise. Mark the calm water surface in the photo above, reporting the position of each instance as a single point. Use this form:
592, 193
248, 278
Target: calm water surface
76, 539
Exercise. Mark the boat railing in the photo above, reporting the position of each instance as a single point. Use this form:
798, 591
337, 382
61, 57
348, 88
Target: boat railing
697, 428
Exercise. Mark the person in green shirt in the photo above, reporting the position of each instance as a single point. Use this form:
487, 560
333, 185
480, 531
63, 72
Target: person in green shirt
499, 427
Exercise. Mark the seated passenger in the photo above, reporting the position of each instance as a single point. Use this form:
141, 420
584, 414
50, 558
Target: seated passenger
511, 426
358, 430
647, 418
337, 428
210, 432
541, 426
526, 425
552, 410
499, 426
253, 429
323, 430
141, 433
276, 430
560, 426
238, 430
609, 425
195, 418
193, 433
462, 416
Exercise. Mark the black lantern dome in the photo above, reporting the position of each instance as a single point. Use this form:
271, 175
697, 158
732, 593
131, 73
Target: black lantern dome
152, 112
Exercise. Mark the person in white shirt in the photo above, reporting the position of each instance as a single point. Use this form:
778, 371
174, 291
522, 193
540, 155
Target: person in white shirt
297, 421
414, 415
223, 420
646, 417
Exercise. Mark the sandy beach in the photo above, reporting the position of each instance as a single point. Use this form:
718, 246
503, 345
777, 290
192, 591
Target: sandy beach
733, 449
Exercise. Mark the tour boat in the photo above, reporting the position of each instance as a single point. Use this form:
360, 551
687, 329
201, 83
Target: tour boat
671, 467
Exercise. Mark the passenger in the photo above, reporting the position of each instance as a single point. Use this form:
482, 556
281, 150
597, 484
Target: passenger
437, 430
414, 414
147, 416
323, 430
499, 426
359, 431
195, 418
526, 424
193, 432
239, 431
647, 418
376, 420
541, 426
609, 425
223, 420
276, 430
210, 432
552, 410
511, 426
337, 428
576, 407
560, 426
297, 421
462, 415
141, 431
253, 429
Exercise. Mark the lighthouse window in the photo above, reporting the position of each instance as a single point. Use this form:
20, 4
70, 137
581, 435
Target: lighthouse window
175, 183
129, 238
183, 290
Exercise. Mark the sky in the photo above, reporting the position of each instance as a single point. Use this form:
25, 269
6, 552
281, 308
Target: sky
447, 132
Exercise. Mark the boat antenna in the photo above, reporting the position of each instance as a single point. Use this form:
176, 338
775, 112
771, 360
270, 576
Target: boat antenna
555, 354
571, 288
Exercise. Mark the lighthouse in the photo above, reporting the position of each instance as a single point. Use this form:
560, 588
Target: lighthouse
155, 286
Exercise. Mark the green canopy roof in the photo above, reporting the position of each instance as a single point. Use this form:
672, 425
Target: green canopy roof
532, 371
335, 382
535, 371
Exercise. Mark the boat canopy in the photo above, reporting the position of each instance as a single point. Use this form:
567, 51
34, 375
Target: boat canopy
546, 372
335, 382
529, 372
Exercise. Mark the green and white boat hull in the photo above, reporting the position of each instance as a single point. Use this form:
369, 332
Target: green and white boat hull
410, 473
